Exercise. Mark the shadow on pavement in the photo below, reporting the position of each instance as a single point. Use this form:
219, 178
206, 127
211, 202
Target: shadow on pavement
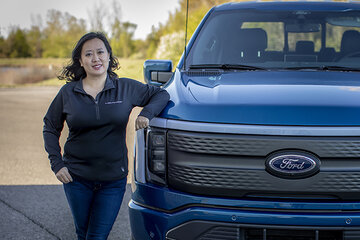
42, 212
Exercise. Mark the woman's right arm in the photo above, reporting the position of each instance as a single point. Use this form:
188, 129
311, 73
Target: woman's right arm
53, 125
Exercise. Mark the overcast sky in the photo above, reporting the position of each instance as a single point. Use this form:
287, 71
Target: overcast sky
145, 13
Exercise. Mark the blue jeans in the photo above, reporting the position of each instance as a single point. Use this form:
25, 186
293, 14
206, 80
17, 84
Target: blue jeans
94, 206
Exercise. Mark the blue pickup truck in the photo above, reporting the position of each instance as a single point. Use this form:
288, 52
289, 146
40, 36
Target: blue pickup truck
261, 136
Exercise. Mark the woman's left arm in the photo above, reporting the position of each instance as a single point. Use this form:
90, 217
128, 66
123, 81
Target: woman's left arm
152, 99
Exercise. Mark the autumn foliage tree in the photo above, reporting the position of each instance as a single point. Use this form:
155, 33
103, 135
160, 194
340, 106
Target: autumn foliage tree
170, 38
60, 33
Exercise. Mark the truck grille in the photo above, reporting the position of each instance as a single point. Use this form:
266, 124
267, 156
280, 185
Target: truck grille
232, 233
204, 230
234, 165
222, 144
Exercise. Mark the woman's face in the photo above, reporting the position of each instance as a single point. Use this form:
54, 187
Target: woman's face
95, 58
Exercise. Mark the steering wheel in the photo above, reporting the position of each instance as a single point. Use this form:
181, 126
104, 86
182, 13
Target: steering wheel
350, 55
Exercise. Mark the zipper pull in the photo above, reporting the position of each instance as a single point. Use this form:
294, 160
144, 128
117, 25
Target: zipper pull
97, 110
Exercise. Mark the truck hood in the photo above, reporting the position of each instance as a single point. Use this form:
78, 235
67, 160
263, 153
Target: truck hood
266, 98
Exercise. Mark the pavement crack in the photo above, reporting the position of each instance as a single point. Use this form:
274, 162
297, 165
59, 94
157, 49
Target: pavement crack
31, 220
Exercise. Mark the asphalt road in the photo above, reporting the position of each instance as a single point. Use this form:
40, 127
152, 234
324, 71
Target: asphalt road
32, 201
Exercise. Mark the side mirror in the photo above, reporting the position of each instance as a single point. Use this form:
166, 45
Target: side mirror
157, 72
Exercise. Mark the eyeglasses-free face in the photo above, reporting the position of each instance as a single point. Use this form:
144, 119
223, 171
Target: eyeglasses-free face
94, 58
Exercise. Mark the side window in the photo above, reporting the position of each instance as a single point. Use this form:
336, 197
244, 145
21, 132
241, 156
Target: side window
334, 35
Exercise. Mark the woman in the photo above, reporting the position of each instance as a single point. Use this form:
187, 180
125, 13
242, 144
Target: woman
95, 104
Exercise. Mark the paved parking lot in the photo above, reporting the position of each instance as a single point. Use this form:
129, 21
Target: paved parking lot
32, 202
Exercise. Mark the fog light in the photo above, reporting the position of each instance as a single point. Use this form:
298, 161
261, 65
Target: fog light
158, 166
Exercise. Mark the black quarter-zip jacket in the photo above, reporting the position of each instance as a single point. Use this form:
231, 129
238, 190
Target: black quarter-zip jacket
95, 148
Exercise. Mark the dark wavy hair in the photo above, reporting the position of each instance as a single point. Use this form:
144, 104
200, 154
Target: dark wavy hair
74, 71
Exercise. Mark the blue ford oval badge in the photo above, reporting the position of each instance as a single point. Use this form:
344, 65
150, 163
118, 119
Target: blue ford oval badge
292, 164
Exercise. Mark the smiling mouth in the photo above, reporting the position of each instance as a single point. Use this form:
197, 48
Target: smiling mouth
97, 67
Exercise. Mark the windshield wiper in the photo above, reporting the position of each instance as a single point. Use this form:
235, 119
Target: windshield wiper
339, 68
326, 68
226, 67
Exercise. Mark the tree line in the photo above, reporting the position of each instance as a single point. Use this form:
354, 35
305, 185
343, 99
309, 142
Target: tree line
168, 40
57, 36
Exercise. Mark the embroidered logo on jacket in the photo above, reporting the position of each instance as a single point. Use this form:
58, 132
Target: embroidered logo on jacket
116, 102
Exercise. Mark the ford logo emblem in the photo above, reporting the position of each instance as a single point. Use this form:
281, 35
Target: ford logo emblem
292, 164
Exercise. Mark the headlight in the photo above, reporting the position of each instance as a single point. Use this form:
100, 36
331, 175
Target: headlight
156, 156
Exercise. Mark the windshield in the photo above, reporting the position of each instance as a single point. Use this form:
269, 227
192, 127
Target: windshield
279, 40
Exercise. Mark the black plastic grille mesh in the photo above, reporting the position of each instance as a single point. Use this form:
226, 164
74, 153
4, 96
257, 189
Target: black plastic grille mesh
219, 178
252, 180
234, 165
262, 145
233, 233
225, 231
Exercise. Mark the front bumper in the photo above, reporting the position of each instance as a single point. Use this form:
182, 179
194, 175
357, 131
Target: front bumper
159, 212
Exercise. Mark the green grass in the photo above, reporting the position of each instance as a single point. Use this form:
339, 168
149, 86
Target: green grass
49, 82
130, 68
13, 62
